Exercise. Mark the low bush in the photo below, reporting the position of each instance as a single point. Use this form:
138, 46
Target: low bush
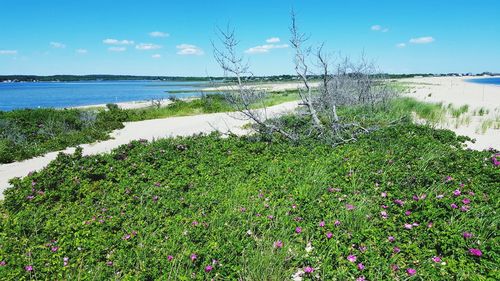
403, 202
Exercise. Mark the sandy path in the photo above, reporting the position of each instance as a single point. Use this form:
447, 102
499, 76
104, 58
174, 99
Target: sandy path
149, 129
458, 92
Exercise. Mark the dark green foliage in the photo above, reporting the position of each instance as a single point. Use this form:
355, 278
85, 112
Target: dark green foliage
143, 202
32, 132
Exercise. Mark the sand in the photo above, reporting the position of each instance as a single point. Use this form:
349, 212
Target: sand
149, 130
459, 92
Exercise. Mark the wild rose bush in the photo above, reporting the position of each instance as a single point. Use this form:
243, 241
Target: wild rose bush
404, 203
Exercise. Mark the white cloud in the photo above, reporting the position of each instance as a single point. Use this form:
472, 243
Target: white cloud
265, 48
273, 40
156, 56
81, 51
57, 45
117, 49
158, 34
147, 46
117, 42
401, 45
8, 52
187, 49
379, 28
422, 40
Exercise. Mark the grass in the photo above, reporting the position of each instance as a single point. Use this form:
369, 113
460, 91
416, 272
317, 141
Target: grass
144, 210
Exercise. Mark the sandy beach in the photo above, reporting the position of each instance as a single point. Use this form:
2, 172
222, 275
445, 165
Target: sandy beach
459, 92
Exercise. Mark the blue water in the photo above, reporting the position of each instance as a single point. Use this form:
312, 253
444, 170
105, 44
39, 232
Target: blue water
494, 81
67, 94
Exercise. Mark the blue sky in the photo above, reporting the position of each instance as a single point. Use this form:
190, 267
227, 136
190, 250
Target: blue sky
173, 37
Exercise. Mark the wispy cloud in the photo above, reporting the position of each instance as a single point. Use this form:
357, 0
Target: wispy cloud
273, 40
265, 48
117, 42
156, 56
401, 45
81, 51
8, 52
147, 46
117, 49
422, 40
188, 49
158, 34
57, 45
379, 28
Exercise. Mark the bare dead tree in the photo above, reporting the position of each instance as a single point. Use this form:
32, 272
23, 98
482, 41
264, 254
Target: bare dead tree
297, 41
244, 99
156, 102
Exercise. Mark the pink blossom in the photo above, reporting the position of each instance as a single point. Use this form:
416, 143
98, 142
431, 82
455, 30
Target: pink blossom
109, 263
308, 270
399, 202
321, 224
391, 238
466, 201
465, 208
65, 261
436, 259
28, 268
429, 225
329, 235
361, 266
3, 263
298, 229
278, 244
383, 214
467, 235
408, 213
270, 217
54, 249
439, 196
408, 226
243, 209
336, 223
471, 193
351, 258
361, 278
383, 194
208, 268
396, 250
170, 258
411, 271
349, 207
457, 192
448, 179
394, 267
193, 257
384, 207
475, 252
454, 206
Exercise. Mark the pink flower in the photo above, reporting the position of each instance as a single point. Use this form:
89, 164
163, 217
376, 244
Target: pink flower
65, 261
361, 278
109, 263
448, 179
349, 207
454, 206
278, 244
394, 267
457, 192
208, 268
54, 249
391, 239
408, 213
298, 229
384, 207
436, 259
361, 266
465, 208
329, 235
399, 202
408, 226
429, 225
396, 250
155, 198
270, 217
411, 271
243, 209
308, 270
321, 224
170, 258
351, 258
471, 193
439, 196
466, 201
467, 235
193, 257
475, 252
383, 214
28, 268
3, 263
383, 194
336, 223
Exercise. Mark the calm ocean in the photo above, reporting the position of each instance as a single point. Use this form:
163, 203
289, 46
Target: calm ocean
494, 80
67, 94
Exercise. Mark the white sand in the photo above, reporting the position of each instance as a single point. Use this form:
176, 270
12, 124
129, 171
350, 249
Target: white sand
149, 130
458, 92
